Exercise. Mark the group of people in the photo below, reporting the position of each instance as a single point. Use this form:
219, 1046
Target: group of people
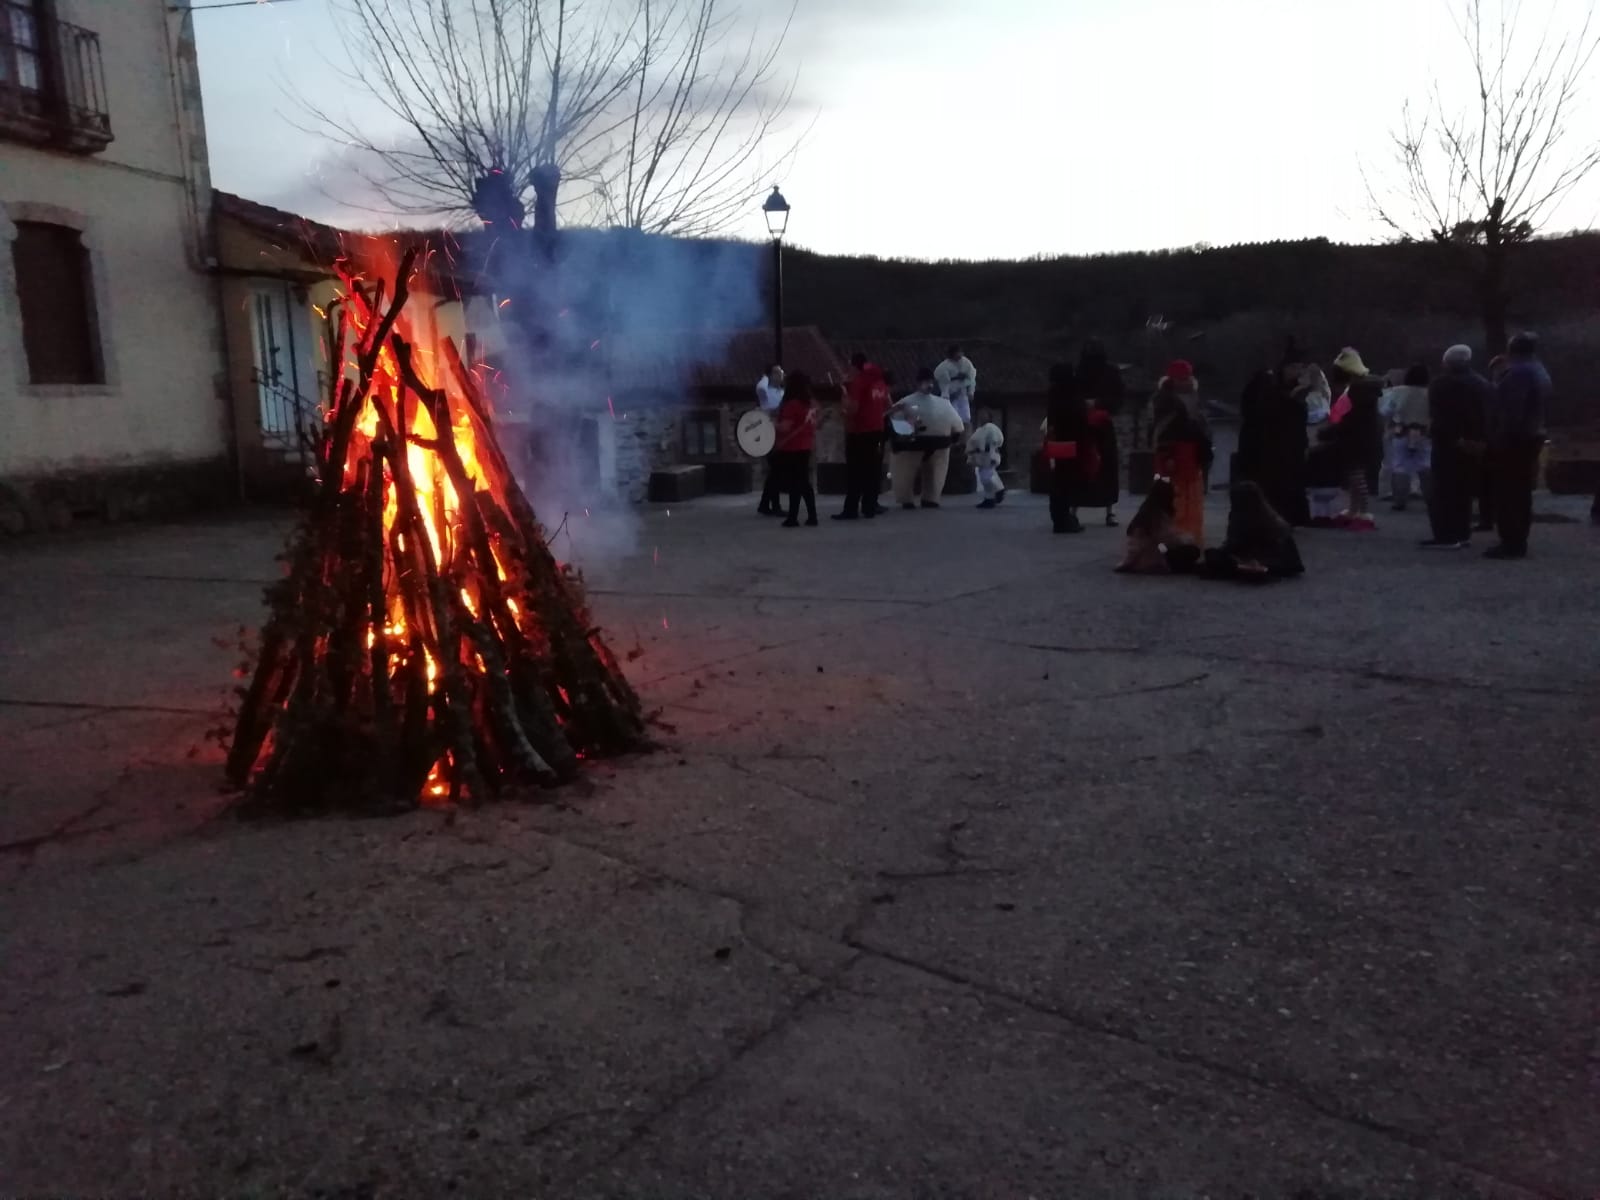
1307, 435
920, 430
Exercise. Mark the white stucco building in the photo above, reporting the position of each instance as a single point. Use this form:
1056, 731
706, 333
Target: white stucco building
112, 365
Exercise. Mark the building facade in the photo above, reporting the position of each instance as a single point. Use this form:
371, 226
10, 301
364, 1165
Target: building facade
112, 367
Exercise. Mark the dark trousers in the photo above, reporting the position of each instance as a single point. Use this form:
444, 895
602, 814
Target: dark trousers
1450, 501
863, 468
1483, 486
769, 489
793, 468
1513, 466
1065, 486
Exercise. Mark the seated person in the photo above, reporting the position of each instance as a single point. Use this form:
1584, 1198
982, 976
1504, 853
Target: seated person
1155, 544
1260, 544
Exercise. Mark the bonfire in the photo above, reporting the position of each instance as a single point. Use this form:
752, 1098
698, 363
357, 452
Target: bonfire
425, 646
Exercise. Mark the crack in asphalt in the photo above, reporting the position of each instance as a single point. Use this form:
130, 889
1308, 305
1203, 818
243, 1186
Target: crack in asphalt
851, 937
1373, 674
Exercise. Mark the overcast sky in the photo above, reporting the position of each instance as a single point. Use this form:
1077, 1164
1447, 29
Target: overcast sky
978, 128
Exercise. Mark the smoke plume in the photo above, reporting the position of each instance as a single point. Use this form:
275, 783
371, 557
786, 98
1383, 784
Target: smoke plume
598, 335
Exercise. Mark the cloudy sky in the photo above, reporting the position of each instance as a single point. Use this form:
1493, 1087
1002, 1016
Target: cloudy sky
978, 128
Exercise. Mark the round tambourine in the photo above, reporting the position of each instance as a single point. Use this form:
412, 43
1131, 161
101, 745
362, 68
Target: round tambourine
756, 433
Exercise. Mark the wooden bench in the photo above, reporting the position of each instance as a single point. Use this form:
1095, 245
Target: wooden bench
730, 478
679, 483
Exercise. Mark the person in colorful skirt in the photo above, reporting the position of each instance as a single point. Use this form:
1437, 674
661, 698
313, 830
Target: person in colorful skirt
1182, 449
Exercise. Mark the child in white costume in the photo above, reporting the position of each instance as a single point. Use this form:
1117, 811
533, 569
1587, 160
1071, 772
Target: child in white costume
983, 453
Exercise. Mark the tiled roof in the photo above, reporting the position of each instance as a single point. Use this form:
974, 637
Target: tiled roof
1001, 366
323, 244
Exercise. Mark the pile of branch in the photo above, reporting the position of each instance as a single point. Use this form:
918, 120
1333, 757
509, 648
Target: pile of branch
420, 649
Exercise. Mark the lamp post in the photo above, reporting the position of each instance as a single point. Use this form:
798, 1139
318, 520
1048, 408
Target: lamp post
776, 210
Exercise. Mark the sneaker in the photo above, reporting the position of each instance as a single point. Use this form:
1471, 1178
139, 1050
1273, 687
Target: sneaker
791, 523
1000, 498
1111, 520
1438, 544
811, 522
989, 504
846, 516
929, 504
909, 507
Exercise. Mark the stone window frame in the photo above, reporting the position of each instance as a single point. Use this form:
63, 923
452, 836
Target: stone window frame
700, 417
13, 211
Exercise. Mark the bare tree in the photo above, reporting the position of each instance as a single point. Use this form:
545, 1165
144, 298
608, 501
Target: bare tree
1486, 175
494, 98
703, 117
638, 103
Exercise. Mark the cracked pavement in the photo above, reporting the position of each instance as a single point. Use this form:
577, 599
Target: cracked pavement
969, 869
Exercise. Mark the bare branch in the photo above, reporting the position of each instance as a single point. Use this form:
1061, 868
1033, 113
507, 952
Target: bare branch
1513, 151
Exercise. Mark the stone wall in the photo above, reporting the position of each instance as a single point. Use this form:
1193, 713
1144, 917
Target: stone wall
57, 500
647, 436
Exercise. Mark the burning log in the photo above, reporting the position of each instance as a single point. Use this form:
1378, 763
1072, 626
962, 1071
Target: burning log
424, 646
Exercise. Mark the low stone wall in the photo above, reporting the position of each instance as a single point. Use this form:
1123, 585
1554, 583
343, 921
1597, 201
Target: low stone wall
60, 500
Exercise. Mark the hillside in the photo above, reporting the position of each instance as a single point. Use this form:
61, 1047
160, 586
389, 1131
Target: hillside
1227, 309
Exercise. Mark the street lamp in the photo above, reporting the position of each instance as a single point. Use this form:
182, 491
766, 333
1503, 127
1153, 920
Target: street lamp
776, 210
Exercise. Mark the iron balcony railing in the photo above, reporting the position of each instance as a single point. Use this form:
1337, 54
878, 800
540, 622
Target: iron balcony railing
52, 80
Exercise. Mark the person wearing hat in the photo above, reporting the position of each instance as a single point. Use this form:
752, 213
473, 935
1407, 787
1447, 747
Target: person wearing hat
1355, 436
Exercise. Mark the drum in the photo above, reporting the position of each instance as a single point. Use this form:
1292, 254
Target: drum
756, 433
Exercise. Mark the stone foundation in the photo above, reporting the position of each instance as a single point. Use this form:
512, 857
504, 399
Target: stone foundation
58, 501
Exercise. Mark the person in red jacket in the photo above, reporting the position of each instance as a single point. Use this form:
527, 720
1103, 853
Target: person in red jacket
797, 438
866, 404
